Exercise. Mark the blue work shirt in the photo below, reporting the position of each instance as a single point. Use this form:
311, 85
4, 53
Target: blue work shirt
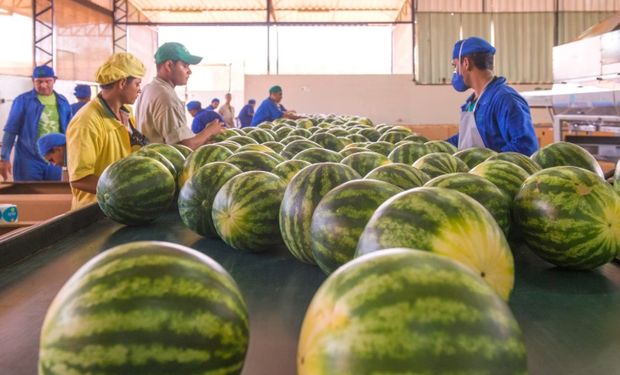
503, 119
245, 115
75, 107
202, 118
268, 110
23, 123
210, 108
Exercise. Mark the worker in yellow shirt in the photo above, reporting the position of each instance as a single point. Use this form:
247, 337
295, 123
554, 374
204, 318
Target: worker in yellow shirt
102, 132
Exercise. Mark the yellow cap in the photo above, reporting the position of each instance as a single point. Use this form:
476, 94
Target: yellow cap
120, 65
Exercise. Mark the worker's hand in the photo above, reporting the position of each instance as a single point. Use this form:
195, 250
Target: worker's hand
5, 169
214, 128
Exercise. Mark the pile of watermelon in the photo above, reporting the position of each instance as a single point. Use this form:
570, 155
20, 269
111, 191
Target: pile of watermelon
337, 191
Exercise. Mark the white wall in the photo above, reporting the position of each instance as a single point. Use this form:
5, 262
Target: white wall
384, 98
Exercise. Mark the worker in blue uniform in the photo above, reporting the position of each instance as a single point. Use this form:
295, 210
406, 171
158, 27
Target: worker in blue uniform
271, 108
203, 118
246, 113
215, 102
53, 148
495, 116
34, 114
194, 107
82, 94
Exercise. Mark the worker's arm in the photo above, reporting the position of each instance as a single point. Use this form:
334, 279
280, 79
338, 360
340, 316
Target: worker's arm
204, 136
291, 115
515, 124
8, 140
12, 127
87, 184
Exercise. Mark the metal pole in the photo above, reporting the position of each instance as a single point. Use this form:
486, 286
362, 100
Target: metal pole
268, 37
414, 6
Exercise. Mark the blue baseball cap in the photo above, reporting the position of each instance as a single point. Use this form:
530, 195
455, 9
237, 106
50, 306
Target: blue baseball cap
194, 104
43, 71
252, 101
47, 143
472, 45
82, 91
215, 100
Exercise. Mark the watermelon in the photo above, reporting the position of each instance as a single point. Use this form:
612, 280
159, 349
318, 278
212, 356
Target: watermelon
135, 190
186, 151
364, 162
352, 150
149, 153
295, 147
232, 146
261, 135
318, 155
242, 140
283, 133
617, 178
244, 131
265, 125
485, 192
445, 222
507, 176
474, 155
286, 170
245, 211
197, 195
416, 138
202, 156
340, 218
521, 160
225, 134
146, 308
301, 197
338, 132
253, 161
369, 133
441, 146
568, 154
304, 123
438, 163
402, 175
569, 216
274, 146
345, 141
328, 141
292, 138
356, 138
404, 311
172, 154
301, 132
254, 147
393, 136
408, 153
383, 148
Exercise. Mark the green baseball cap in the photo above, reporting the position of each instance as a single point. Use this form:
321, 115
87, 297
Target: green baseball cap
275, 89
175, 52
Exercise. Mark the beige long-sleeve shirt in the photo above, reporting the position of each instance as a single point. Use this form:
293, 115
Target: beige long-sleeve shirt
228, 113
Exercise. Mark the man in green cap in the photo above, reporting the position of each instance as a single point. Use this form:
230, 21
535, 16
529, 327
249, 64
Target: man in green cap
160, 114
271, 109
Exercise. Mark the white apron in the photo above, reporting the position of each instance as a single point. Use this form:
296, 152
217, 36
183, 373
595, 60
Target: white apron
469, 136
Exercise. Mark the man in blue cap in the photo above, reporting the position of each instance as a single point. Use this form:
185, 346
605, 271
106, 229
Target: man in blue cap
495, 116
33, 115
194, 107
53, 147
246, 113
82, 94
215, 102
271, 108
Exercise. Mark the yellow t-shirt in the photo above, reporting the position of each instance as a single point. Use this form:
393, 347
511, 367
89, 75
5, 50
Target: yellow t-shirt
95, 139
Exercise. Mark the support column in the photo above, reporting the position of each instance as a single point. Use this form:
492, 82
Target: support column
119, 25
43, 32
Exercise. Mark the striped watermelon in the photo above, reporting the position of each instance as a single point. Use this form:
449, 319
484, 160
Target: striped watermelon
244, 131
403, 311
408, 153
301, 132
438, 163
135, 190
383, 148
445, 222
340, 218
172, 154
617, 178
416, 138
296, 147
338, 132
318, 155
253, 161
274, 146
519, 159
364, 162
474, 155
202, 156
197, 195
566, 154
286, 170
245, 211
146, 308
570, 217
304, 123
225, 134
302, 195
369, 133
507, 176
186, 151
265, 125
345, 141
291, 138
242, 140
328, 141
482, 190
357, 138
283, 133
232, 146
441, 146
402, 175
254, 147
352, 150
393, 136
261, 135
150, 153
